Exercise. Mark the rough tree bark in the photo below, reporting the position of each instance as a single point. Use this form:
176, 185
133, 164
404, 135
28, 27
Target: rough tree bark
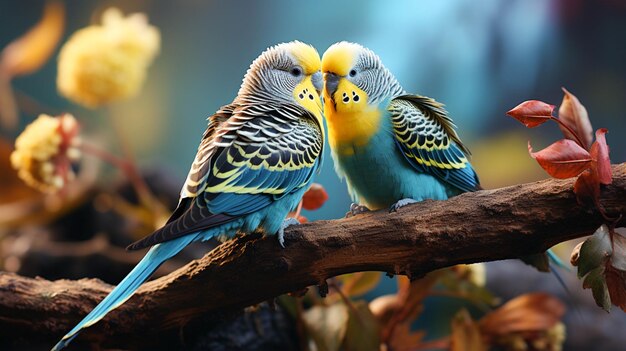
475, 227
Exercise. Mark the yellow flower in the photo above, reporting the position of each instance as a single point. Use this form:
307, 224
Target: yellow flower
45, 151
104, 63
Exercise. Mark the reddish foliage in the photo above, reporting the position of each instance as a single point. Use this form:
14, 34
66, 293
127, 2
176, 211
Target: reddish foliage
315, 197
532, 113
563, 159
600, 155
529, 312
587, 187
574, 117
575, 155
616, 283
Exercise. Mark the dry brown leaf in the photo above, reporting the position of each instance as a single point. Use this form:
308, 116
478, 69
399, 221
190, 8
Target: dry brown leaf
8, 105
29, 52
405, 305
616, 283
575, 116
466, 334
529, 312
412, 294
403, 339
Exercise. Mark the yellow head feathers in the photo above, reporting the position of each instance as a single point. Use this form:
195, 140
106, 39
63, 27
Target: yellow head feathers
308, 57
355, 84
340, 57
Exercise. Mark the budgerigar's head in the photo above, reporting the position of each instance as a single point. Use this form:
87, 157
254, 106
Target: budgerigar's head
355, 78
287, 72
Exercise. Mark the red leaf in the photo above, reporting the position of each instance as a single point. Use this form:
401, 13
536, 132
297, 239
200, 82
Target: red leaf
529, 312
616, 283
563, 159
315, 197
574, 115
532, 113
587, 187
600, 154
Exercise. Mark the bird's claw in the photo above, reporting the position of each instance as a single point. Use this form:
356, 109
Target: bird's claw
281, 232
401, 203
356, 210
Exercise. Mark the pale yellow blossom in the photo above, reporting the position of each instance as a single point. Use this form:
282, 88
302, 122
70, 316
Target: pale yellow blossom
45, 151
103, 63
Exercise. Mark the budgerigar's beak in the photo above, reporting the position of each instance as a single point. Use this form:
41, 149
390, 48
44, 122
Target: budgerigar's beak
332, 82
318, 82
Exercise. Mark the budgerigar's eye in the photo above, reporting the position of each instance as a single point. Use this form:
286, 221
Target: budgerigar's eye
296, 71
352, 72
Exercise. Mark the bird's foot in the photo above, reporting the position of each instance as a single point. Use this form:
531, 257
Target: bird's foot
281, 232
356, 210
401, 203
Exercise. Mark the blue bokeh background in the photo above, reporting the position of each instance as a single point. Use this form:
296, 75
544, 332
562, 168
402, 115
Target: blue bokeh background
479, 57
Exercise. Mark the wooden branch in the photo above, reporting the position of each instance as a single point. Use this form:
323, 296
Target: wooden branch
483, 226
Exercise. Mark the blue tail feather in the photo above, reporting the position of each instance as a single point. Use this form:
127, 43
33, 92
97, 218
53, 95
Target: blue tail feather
127, 287
557, 261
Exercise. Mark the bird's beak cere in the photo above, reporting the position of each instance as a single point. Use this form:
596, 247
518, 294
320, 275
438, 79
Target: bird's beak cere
318, 82
331, 81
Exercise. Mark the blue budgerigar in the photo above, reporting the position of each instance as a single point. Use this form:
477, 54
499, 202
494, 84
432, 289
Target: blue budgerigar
256, 159
393, 148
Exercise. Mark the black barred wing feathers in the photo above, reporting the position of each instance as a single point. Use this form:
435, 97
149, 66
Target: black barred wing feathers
245, 162
427, 138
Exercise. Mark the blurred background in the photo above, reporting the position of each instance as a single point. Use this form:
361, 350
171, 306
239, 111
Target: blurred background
480, 58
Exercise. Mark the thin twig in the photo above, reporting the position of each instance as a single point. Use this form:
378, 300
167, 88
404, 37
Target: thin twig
346, 301
146, 198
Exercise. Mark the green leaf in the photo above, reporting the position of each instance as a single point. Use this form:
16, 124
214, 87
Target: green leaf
618, 259
363, 329
595, 251
327, 325
539, 261
597, 282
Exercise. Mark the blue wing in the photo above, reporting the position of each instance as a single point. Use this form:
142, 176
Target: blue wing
426, 136
252, 158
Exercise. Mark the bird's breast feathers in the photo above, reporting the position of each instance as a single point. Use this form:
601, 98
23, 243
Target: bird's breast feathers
352, 122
